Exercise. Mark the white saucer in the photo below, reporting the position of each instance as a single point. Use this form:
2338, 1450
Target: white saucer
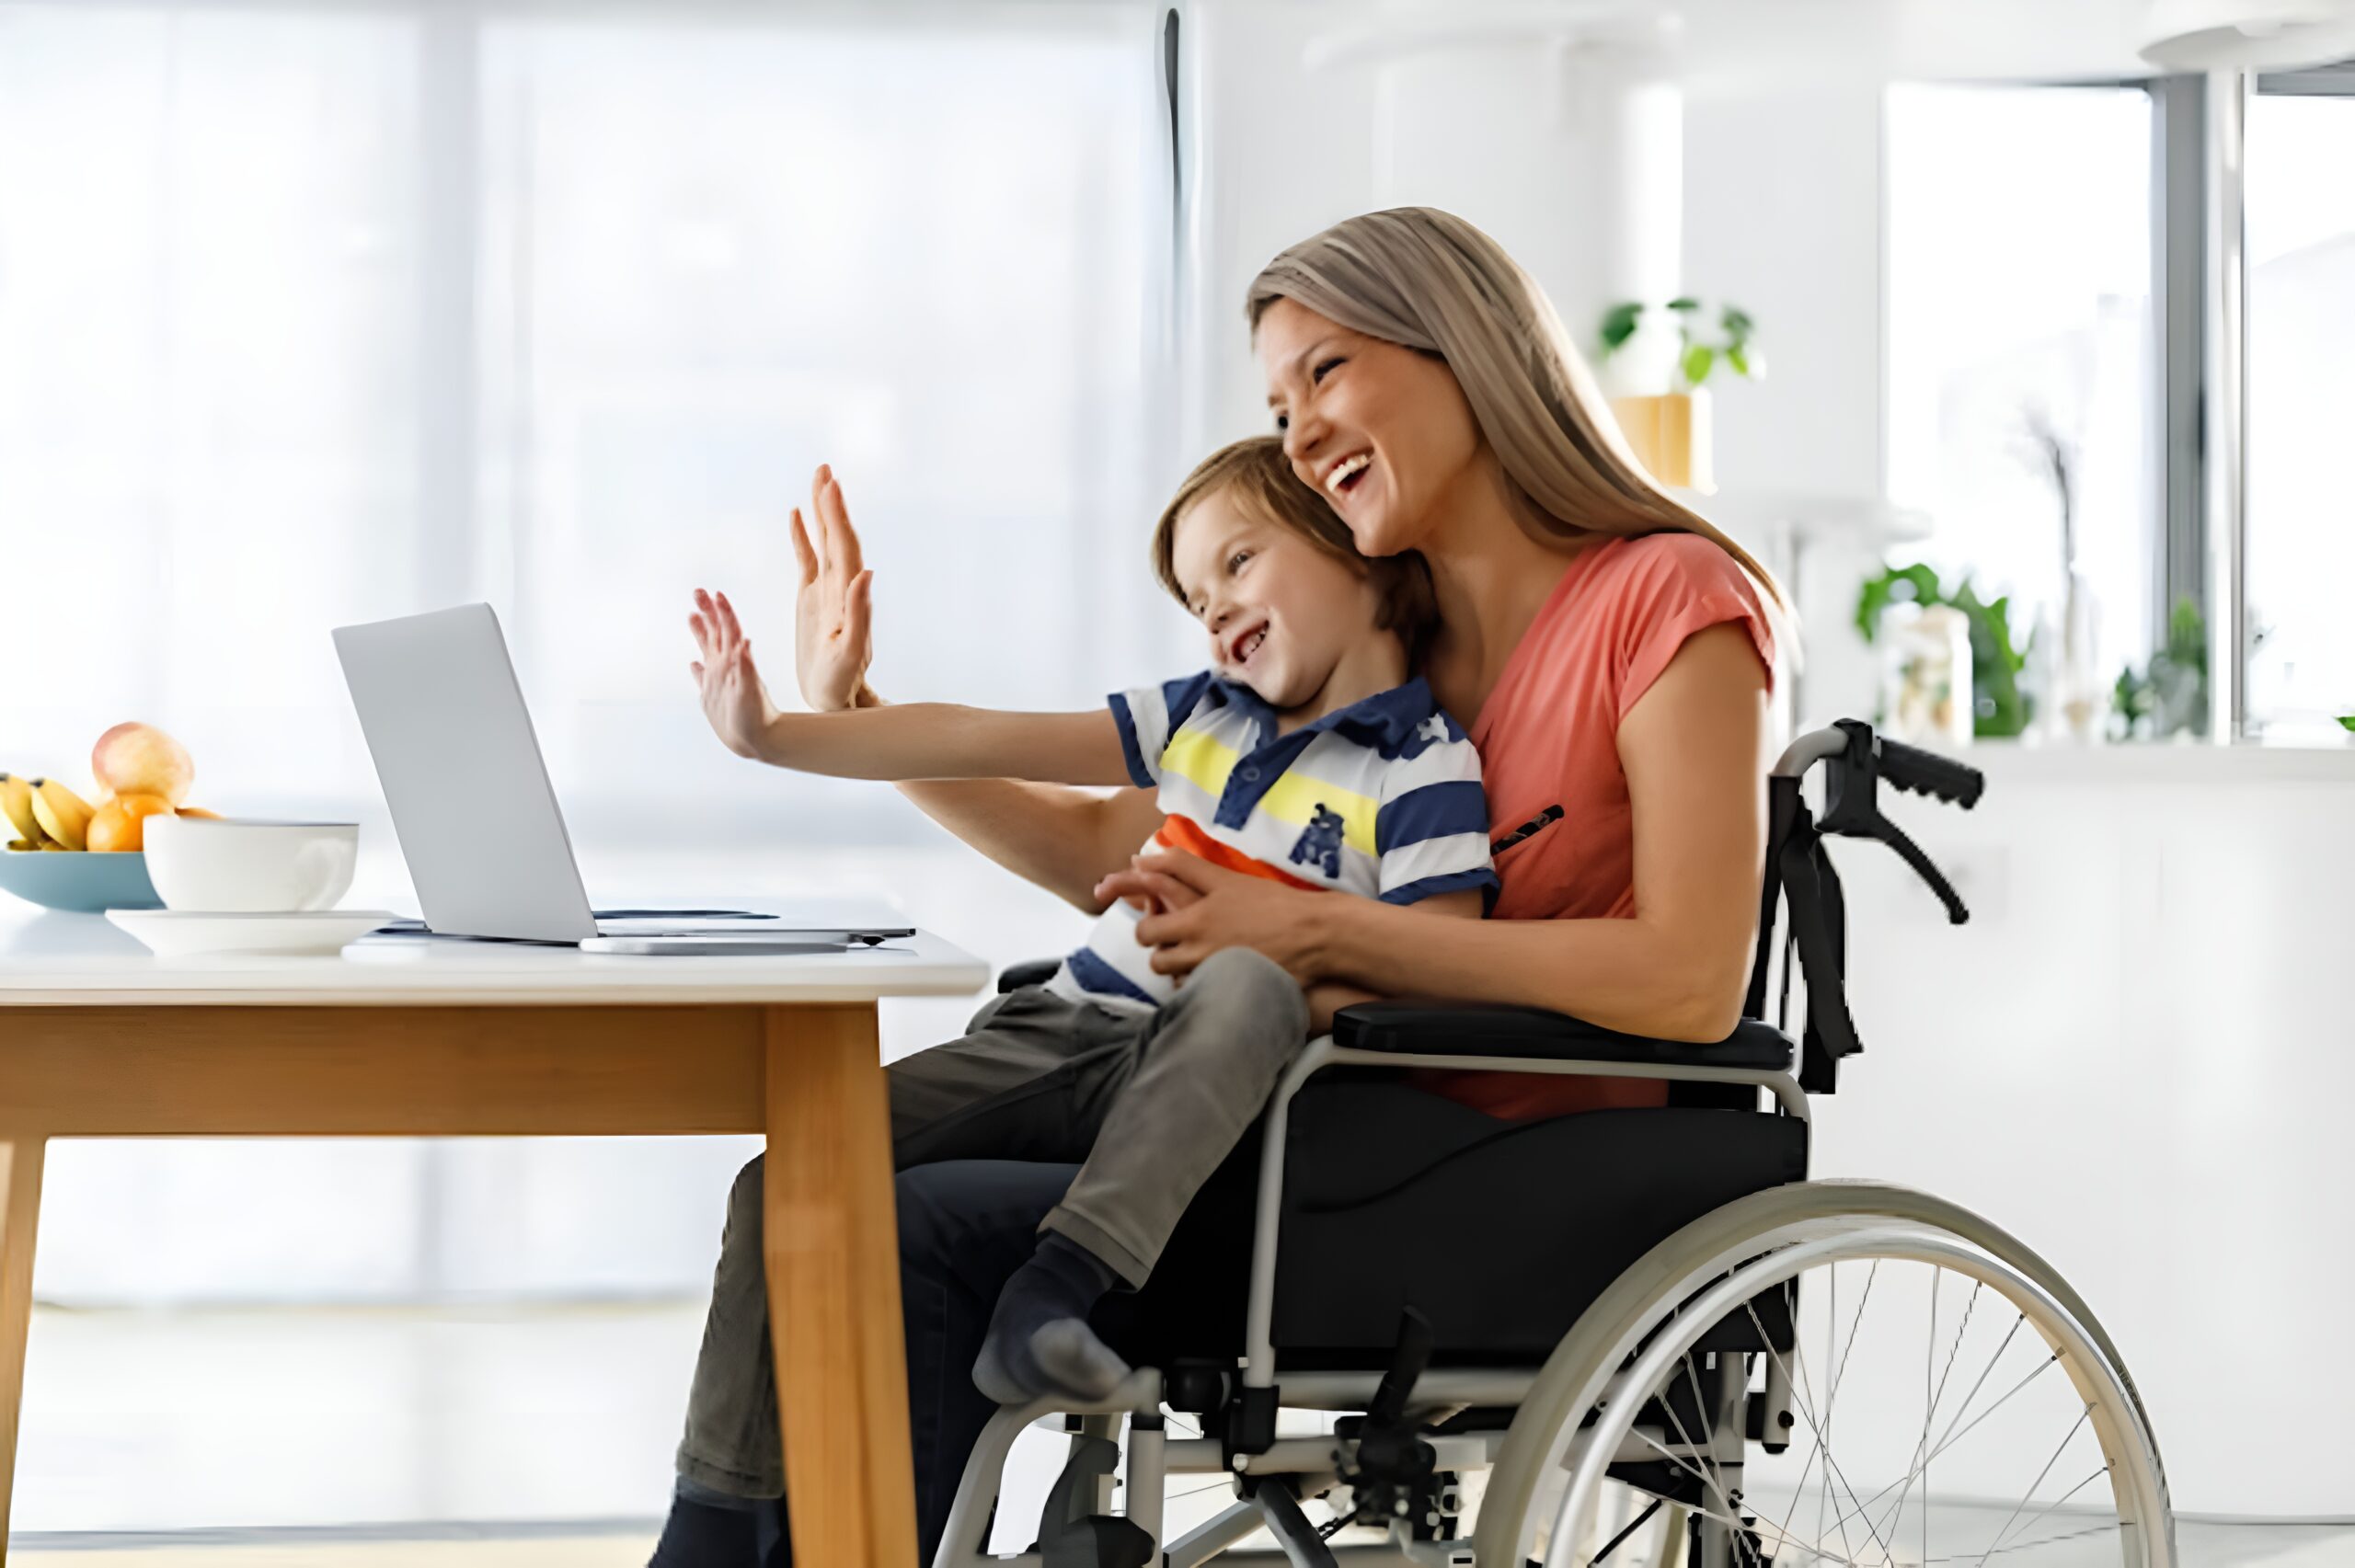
185, 933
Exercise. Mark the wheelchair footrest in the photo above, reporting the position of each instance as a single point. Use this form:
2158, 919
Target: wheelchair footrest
1097, 1543
1070, 1538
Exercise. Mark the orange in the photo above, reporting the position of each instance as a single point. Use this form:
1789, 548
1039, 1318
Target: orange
200, 811
120, 824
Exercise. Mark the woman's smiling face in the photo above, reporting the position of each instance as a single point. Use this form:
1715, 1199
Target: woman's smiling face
1382, 431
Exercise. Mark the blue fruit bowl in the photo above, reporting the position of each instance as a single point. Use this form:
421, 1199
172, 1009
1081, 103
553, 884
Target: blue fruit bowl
86, 882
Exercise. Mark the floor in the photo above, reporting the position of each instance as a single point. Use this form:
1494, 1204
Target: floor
2200, 1546
227, 1437
574, 1548
144, 1420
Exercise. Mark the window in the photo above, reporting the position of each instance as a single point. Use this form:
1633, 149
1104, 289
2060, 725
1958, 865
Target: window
319, 313
2019, 296
2299, 211
310, 315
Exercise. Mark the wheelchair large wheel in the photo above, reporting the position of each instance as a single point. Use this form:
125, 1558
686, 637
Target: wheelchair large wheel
1834, 1372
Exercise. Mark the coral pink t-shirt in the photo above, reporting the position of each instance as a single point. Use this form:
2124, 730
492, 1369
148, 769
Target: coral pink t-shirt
1549, 755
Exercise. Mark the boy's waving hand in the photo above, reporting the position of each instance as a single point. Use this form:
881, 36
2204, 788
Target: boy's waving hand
833, 642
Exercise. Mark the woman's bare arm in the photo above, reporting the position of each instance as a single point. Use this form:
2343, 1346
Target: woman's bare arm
1693, 747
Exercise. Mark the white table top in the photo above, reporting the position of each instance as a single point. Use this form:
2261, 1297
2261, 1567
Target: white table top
53, 959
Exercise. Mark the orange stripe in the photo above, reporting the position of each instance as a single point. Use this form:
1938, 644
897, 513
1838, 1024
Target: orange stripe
1180, 833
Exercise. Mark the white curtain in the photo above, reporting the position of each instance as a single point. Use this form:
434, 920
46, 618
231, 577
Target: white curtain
313, 314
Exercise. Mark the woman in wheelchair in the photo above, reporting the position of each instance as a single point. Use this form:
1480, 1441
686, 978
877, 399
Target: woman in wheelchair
1625, 1242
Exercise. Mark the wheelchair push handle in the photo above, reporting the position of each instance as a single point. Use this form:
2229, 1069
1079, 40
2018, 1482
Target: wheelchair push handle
1859, 755
1926, 773
1859, 763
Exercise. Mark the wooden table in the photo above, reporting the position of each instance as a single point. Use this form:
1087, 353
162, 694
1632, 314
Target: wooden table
412, 1039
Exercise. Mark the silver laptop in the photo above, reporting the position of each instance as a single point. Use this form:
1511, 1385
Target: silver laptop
476, 817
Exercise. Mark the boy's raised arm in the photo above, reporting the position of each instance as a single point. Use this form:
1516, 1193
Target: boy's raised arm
941, 740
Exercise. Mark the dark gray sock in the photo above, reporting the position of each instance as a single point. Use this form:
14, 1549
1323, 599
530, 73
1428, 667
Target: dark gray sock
1038, 1341
708, 1529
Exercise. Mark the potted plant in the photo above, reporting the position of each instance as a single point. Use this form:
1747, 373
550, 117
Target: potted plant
1670, 429
2000, 710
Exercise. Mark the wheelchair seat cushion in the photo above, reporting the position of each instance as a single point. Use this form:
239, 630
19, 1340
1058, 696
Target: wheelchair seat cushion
1500, 1232
1473, 1029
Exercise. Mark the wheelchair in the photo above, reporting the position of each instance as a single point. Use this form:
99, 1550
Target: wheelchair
1616, 1337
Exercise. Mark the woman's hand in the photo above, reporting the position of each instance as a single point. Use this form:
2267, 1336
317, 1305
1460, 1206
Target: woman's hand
1203, 908
734, 699
832, 642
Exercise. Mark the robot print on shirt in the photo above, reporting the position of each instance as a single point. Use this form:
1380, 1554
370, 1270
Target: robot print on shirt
1320, 842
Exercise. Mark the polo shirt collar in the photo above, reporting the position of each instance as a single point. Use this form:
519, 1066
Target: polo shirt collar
1384, 720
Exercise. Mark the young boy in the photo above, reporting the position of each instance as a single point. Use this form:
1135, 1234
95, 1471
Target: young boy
1306, 754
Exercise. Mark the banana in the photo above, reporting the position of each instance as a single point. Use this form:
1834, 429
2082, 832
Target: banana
16, 805
22, 845
63, 815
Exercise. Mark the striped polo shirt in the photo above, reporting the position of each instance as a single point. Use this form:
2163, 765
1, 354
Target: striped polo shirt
1381, 799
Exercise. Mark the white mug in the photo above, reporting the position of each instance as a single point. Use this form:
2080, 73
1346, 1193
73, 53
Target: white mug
227, 866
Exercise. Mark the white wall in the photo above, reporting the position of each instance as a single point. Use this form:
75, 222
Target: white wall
1782, 216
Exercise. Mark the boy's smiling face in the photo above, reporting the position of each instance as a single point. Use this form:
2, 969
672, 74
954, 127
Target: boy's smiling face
1282, 615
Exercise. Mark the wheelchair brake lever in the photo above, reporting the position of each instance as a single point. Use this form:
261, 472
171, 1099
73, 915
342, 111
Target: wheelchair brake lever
1407, 1363
1889, 834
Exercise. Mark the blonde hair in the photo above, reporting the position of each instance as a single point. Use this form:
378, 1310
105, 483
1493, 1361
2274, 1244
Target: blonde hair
1429, 281
1258, 478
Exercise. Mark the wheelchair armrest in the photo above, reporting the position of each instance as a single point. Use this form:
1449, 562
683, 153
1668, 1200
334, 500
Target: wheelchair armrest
1029, 972
1495, 1029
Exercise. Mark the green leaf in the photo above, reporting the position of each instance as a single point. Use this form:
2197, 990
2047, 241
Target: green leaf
1916, 584
2187, 635
2347, 721
1684, 303
1699, 360
1739, 357
1619, 325
1737, 322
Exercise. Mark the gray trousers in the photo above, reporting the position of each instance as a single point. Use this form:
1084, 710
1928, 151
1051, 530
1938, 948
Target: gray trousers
1151, 1103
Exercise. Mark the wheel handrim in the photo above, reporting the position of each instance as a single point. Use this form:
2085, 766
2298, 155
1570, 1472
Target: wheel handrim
1661, 1351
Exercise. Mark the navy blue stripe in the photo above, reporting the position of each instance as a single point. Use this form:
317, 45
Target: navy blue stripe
1097, 976
1139, 774
1445, 882
1434, 811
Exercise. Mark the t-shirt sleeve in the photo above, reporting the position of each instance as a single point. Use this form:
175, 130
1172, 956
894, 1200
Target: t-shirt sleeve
1149, 718
1676, 585
1431, 831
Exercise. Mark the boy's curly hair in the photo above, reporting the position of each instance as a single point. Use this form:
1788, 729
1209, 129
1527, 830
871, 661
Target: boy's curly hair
1257, 477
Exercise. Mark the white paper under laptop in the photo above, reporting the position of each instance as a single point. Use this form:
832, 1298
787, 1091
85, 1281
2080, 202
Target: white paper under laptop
476, 817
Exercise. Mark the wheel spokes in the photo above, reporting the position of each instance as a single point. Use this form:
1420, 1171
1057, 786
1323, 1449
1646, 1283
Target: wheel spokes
1861, 1525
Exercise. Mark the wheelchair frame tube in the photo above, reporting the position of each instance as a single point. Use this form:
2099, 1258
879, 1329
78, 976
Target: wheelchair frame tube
1259, 1351
1807, 751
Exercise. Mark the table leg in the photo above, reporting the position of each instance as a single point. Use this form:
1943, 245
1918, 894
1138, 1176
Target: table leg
20, 1161
832, 1253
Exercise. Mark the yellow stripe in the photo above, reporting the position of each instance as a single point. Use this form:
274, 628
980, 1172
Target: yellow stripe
1193, 754
1296, 796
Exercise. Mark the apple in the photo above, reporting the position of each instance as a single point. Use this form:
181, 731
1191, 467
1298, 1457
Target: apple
139, 759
